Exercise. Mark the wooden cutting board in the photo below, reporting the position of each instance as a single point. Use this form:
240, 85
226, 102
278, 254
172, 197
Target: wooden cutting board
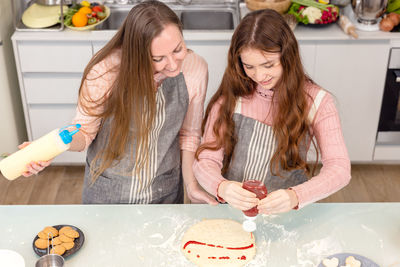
40, 16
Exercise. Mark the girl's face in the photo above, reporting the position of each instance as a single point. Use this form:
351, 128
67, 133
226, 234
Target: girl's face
168, 50
262, 67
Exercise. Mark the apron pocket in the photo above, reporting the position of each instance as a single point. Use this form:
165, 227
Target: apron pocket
103, 191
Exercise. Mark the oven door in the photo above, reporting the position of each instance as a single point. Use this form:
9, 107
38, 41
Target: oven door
389, 122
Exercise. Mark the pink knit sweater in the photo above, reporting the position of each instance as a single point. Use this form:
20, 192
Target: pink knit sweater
335, 172
100, 80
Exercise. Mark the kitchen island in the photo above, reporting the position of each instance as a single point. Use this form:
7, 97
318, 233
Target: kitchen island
150, 235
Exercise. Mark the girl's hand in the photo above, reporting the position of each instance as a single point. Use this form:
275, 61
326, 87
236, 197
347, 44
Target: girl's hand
278, 201
238, 197
33, 168
197, 195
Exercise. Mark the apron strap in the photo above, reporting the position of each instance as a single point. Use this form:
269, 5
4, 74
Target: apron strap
238, 107
314, 107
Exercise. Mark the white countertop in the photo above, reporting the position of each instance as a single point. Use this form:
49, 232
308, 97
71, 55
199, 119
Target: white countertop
303, 33
150, 235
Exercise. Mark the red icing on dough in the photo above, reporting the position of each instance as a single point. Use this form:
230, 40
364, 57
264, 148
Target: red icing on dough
218, 246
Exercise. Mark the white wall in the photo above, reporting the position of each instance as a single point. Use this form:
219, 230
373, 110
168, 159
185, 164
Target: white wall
12, 125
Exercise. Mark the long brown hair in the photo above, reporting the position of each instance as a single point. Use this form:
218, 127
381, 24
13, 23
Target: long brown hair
131, 99
265, 30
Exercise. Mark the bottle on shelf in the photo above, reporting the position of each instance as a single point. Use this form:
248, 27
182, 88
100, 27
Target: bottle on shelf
250, 215
43, 149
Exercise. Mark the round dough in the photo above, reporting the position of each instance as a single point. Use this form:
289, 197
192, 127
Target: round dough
218, 242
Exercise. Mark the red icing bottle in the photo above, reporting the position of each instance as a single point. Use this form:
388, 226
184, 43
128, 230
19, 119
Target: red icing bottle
258, 188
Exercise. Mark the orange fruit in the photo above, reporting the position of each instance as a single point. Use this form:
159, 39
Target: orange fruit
85, 10
79, 19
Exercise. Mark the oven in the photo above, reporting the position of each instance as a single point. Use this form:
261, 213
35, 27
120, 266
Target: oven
389, 120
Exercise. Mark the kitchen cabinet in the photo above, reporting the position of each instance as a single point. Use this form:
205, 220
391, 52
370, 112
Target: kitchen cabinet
354, 72
215, 54
49, 74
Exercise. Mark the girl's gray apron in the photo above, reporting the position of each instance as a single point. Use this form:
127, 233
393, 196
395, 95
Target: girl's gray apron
161, 181
254, 149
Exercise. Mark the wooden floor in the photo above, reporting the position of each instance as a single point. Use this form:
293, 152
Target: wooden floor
63, 185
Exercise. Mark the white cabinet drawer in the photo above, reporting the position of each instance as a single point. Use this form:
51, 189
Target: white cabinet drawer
45, 118
47, 88
47, 56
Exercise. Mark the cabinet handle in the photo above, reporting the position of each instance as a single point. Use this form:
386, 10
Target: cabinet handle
397, 74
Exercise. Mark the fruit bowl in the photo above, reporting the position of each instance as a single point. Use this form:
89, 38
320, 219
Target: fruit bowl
92, 26
312, 16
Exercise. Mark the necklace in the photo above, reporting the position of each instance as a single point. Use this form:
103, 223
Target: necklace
263, 94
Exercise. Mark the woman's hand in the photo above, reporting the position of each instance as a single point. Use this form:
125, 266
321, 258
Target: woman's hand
197, 195
33, 168
278, 201
238, 197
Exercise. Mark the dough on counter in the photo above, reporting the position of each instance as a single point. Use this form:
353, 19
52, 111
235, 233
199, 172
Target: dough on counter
218, 242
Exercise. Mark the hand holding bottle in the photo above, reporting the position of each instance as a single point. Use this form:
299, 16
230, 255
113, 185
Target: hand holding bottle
34, 168
238, 197
279, 201
40, 152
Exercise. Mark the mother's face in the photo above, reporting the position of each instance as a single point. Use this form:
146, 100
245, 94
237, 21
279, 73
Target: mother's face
168, 51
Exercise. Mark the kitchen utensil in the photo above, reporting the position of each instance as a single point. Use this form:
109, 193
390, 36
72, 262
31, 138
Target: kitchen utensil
39, 16
78, 242
55, 2
50, 260
368, 11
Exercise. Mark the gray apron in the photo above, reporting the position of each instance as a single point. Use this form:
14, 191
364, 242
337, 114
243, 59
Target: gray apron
254, 149
161, 180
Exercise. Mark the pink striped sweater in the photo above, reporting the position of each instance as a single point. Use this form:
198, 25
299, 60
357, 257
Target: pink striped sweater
195, 71
335, 172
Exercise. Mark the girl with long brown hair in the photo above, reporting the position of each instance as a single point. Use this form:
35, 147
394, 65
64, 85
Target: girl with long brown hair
263, 119
140, 105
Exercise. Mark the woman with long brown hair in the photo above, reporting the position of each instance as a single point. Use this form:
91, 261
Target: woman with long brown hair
263, 119
140, 105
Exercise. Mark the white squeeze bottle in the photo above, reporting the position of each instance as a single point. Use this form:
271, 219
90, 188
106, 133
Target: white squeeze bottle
43, 149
